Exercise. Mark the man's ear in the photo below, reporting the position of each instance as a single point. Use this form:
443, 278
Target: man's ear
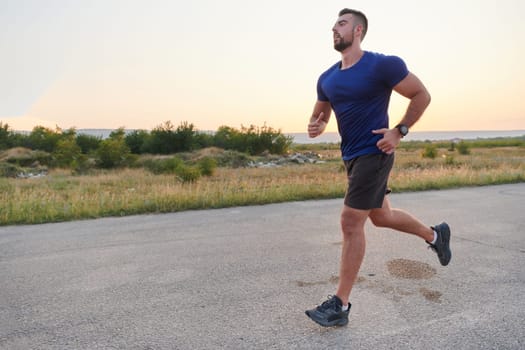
358, 29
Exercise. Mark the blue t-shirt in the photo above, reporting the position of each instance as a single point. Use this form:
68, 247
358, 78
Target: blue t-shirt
359, 97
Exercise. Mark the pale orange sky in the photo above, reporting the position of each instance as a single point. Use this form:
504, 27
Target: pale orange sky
138, 63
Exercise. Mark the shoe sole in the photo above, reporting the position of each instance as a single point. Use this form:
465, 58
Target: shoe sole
444, 230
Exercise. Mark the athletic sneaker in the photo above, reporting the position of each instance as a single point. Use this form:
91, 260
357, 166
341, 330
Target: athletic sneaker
442, 247
330, 313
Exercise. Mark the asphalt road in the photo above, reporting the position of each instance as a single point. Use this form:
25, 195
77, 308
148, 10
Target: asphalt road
241, 278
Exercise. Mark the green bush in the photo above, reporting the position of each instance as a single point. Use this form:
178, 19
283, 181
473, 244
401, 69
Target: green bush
430, 151
6, 136
137, 141
164, 165
43, 139
88, 143
175, 166
188, 173
463, 148
68, 154
166, 139
9, 170
207, 166
185, 137
113, 152
253, 140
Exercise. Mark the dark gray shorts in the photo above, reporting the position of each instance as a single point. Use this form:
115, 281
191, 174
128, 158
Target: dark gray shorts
367, 180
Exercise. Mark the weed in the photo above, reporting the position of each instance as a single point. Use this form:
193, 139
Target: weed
60, 196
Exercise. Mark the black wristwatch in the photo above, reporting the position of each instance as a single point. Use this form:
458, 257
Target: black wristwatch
403, 129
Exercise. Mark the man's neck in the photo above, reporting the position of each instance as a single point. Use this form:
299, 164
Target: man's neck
351, 57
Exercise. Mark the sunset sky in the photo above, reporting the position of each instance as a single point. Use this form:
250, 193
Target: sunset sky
138, 63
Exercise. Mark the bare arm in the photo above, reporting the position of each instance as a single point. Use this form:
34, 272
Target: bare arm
412, 88
319, 119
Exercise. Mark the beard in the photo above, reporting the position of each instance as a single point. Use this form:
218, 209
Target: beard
343, 45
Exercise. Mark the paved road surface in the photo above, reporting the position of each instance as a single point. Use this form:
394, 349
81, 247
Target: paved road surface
241, 278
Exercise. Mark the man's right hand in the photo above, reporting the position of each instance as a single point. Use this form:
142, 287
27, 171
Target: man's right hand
317, 127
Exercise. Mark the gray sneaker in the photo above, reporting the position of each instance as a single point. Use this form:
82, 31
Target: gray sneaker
330, 313
442, 245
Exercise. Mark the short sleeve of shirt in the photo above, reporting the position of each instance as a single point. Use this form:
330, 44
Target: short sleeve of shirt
393, 69
320, 94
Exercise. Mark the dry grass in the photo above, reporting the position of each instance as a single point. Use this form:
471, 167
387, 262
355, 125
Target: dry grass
482, 167
61, 196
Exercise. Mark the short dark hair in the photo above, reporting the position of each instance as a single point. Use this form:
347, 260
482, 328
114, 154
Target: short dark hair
361, 18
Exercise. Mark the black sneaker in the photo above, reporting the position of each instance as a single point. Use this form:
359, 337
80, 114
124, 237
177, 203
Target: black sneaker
330, 313
441, 247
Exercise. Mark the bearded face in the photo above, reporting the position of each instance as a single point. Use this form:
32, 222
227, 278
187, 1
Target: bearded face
340, 42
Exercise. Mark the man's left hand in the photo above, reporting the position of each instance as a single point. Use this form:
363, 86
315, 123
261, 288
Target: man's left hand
390, 140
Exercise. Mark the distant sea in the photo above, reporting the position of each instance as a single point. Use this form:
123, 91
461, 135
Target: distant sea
333, 137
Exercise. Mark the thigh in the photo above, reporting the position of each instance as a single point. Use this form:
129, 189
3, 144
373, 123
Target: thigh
367, 180
379, 216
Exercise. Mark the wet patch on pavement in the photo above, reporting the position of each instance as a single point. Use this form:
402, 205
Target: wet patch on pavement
410, 269
398, 268
431, 295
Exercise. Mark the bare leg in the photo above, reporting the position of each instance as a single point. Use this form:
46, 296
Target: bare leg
400, 220
354, 243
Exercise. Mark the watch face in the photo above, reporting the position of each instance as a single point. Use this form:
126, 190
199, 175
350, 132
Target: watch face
403, 129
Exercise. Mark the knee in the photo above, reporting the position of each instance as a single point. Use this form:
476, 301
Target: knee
346, 223
350, 226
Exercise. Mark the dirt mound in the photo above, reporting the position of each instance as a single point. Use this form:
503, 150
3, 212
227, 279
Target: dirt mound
16, 153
